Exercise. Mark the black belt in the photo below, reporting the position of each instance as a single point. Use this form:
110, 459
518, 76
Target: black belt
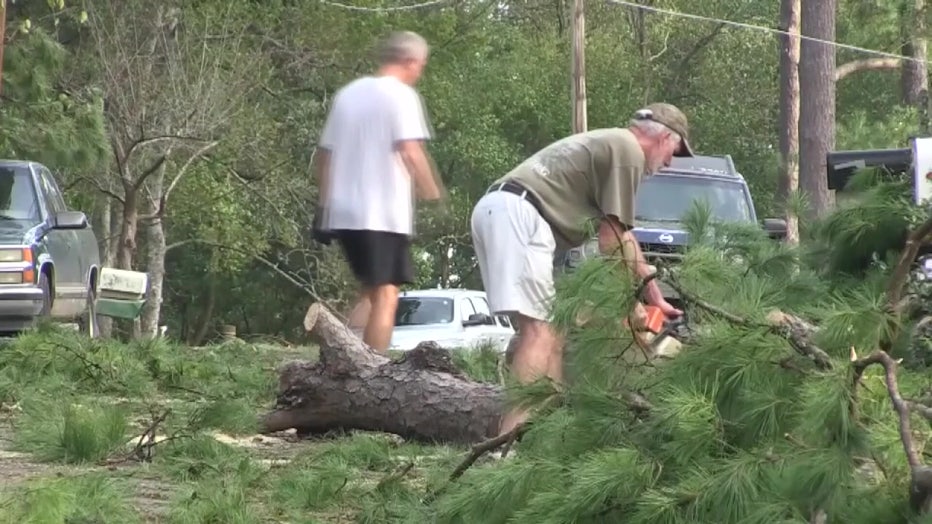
517, 189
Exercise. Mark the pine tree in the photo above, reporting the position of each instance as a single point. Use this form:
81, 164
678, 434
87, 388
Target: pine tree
742, 426
43, 119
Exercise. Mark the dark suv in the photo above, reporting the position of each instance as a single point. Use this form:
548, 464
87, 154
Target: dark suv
665, 197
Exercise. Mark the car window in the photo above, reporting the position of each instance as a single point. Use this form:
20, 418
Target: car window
18, 201
418, 311
667, 198
468, 309
53, 196
481, 305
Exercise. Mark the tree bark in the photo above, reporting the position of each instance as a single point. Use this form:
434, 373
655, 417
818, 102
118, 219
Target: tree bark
127, 245
580, 118
817, 101
155, 256
106, 245
789, 115
155, 267
914, 76
3, 14
421, 397
206, 314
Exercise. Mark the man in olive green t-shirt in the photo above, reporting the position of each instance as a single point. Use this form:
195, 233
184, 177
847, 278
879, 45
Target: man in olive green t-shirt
552, 200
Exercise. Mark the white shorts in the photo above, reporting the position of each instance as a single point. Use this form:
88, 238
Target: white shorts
515, 248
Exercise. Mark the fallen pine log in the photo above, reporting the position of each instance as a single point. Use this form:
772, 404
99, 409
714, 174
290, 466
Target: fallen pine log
421, 397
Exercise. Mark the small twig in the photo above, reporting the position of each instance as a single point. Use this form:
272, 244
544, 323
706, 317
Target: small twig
486, 446
787, 363
149, 435
395, 476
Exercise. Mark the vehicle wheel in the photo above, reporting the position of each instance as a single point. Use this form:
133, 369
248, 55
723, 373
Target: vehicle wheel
46, 297
88, 322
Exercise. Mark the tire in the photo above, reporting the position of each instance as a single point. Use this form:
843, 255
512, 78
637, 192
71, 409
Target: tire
88, 322
46, 296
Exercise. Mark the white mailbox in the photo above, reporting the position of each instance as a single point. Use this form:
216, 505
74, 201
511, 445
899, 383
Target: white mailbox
121, 293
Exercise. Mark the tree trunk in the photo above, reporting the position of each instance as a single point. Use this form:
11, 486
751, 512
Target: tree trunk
155, 255
789, 115
206, 314
127, 245
445, 262
580, 118
422, 397
817, 101
914, 73
155, 267
104, 228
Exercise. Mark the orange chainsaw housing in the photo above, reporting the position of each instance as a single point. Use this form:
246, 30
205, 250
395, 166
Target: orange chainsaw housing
655, 319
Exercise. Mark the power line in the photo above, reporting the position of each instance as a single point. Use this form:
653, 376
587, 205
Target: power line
411, 7
765, 29
659, 10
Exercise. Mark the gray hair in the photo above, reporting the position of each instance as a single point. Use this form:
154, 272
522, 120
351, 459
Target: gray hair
401, 46
654, 128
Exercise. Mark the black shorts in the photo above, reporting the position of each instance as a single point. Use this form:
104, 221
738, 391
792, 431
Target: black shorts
377, 257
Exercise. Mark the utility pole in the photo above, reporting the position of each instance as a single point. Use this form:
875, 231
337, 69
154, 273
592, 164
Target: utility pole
580, 123
2, 38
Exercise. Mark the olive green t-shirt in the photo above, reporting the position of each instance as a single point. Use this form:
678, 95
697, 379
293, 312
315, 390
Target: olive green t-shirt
582, 176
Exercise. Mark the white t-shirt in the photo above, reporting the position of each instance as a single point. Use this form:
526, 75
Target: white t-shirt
370, 187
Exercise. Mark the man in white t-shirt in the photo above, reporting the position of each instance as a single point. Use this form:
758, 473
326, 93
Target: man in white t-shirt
369, 163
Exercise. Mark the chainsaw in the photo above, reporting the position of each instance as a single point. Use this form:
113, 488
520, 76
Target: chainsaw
658, 332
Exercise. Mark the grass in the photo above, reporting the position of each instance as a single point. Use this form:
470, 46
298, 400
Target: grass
72, 411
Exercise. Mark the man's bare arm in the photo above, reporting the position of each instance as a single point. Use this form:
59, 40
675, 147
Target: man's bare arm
322, 173
614, 237
422, 170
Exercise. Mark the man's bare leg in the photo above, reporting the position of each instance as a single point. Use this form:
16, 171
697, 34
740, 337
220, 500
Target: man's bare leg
536, 355
359, 316
381, 323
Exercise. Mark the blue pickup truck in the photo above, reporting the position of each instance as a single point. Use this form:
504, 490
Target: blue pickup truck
49, 257
665, 197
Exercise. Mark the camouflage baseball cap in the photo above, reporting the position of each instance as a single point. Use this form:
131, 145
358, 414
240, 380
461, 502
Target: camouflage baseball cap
670, 116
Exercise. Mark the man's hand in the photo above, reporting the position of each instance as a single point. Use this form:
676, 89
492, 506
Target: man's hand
637, 319
668, 310
317, 232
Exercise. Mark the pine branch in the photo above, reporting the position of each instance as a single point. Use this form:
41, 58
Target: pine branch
702, 304
920, 489
899, 405
795, 330
914, 241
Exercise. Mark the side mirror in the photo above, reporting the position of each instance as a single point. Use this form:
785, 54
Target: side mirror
477, 319
775, 228
70, 220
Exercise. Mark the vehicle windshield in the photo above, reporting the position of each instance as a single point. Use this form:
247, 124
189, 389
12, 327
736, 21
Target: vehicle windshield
667, 198
419, 311
17, 197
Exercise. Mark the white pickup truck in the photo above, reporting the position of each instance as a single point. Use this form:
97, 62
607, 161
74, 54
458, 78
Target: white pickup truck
453, 318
